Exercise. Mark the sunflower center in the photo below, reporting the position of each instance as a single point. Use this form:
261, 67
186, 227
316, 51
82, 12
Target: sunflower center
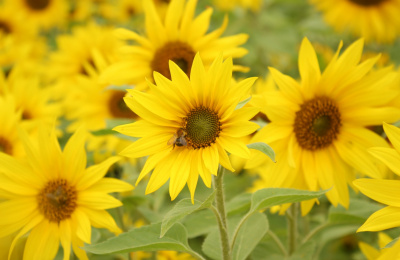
179, 52
5, 146
117, 106
317, 123
57, 201
26, 115
202, 126
37, 4
4, 27
367, 2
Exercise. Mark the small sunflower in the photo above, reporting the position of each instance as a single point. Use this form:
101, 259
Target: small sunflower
44, 14
92, 104
178, 38
53, 198
10, 120
188, 125
372, 19
75, 52
35, 102
318, 127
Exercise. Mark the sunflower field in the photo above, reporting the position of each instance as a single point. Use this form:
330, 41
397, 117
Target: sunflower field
199, 129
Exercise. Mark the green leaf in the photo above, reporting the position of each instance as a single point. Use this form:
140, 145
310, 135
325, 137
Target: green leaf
242, 103
250, 234
306, 251
264, 148
269, 197
239, 204
146, 238
182, 209
201, 223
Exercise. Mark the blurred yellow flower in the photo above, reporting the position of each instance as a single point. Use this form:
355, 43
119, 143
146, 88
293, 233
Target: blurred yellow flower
10, 120
43, 14
188, 125
53, 196
318, 126
375, 20
178, 38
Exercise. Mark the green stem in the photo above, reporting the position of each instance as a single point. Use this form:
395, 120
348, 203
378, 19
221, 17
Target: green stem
220, 207
314, 232
278, 242
235, 234
291, 215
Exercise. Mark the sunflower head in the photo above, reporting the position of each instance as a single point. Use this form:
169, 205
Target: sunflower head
187, 125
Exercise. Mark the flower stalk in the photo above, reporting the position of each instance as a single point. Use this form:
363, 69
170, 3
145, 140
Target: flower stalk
291, 216
220, 207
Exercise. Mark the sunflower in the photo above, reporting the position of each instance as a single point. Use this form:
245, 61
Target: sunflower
10, 120
75, 52
43, 14
93, 104
187, 124
318, 126
376, 20
178, 38
53, 198
36, 103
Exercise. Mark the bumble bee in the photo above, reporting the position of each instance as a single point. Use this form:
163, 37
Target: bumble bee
178, 139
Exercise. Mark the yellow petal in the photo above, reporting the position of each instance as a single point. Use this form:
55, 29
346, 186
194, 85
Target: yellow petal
42, 242
74, 155
147, 146
370, 252
65, 229
388, 217
309, 68
224, 159
239, 130
393, 134
390, 157
101, 219
384, 191
289, 87
234, 146
97, 200
34, 220
179, 174
109, 185
151, 162
94, 173
82, 225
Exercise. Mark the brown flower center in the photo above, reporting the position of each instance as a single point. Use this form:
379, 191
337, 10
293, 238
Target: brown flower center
202, 127
37, 5
317, 123
26, 115
117, 106
5, 146
57, 201
4, 27
179, 52
367, 2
